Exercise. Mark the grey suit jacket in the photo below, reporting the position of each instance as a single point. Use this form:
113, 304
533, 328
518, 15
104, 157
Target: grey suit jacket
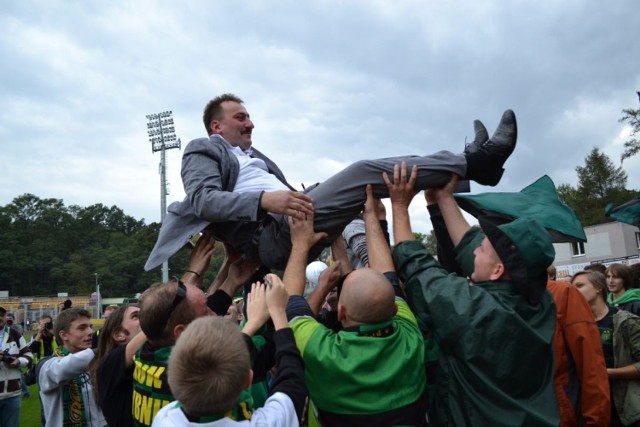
209, 174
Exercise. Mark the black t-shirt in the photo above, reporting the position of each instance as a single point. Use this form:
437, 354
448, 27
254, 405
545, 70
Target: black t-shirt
115, 388
605, 325
45, 343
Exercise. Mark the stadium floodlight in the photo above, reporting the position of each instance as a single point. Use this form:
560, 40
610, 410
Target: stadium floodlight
162, 137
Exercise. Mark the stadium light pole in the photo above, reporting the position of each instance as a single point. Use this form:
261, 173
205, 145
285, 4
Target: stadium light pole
98, 304
162, 136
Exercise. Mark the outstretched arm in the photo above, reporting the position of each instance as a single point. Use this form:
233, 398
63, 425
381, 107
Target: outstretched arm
289, 377
238, 273
339, 254
401, 192
445, 248
230, 256
132, 347
377, 248
455, 222
302, 239
199, 260
257, 313
326, 282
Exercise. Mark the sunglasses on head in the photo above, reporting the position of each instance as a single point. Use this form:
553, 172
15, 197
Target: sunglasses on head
181, 294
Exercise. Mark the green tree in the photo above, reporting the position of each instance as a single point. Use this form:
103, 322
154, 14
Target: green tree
632, 146
49, 248
567, 194
431, 243
599, 183
427, 240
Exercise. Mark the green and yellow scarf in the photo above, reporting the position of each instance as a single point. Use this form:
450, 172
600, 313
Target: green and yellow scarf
72, 404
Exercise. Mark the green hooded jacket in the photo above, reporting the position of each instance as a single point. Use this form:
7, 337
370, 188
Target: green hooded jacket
628, 296
496, 354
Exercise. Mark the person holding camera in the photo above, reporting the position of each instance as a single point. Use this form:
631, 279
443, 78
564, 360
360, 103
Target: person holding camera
11, 322
43, 343
14, 354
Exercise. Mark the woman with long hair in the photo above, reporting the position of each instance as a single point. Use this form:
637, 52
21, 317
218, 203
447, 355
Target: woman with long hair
112, 367
620, 335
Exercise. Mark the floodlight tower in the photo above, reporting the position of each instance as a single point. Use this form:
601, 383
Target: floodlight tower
163, 137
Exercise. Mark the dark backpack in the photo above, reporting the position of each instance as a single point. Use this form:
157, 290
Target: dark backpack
31, 377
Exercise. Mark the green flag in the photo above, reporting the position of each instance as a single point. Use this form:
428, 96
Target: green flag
629, 213
538, 200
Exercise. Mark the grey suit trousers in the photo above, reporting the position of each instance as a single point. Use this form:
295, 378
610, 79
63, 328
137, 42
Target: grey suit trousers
339, 199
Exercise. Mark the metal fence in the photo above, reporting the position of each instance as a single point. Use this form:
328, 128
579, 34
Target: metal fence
28, 310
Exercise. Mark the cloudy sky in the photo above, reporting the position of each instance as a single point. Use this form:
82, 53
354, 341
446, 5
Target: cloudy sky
326, 82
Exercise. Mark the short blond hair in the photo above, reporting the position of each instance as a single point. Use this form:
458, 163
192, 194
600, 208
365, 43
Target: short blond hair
208, 366
552, 272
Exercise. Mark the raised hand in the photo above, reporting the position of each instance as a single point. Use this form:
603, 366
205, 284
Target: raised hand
201, 254
302, 233
330, 276
277, 298
242, 270
257, 313
446, 190
401, 190
230, 254
371, 206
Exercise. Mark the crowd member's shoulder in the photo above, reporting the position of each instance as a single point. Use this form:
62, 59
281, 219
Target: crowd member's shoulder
15, 335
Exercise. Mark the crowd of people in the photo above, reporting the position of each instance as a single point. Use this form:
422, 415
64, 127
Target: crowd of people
481, 335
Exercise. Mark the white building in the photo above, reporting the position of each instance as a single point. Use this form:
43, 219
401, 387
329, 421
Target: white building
613, 242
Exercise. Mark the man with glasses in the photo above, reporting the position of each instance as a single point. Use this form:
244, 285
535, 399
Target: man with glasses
165, 311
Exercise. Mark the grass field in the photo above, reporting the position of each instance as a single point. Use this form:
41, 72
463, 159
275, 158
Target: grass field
30, 412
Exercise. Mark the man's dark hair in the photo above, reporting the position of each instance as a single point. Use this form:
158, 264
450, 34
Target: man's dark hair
635, 273
596, 267
213, 110
622, 271
65, 318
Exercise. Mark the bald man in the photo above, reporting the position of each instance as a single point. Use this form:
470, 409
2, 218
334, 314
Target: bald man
372, 371
366, 298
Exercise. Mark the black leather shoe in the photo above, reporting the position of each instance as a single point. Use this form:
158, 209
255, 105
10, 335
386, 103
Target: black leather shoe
481, 137
485, 161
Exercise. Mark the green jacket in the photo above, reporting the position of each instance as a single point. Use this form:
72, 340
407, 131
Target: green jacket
626, 351
359, 375
496, 354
